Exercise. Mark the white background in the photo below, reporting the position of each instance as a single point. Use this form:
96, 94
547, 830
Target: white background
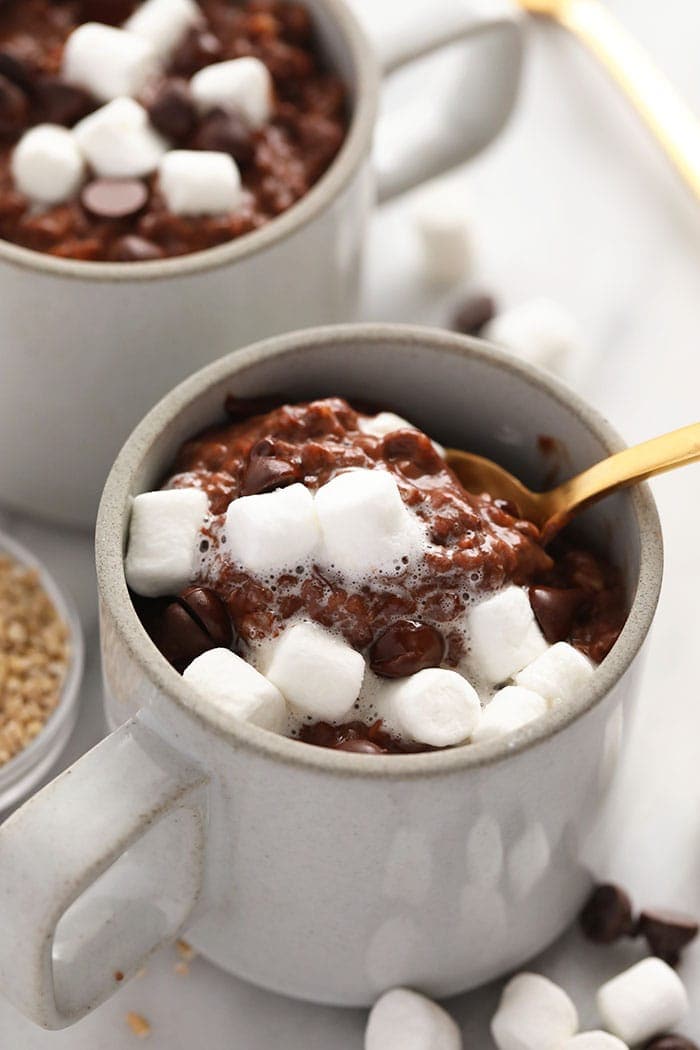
573, 201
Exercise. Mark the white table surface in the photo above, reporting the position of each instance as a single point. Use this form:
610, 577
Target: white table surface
574, 202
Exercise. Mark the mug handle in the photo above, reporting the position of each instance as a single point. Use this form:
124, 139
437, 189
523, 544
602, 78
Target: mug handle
126, 822
425, 139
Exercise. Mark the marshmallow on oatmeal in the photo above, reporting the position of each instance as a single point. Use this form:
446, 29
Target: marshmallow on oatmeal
47, 164
272, 531
642, 1002
232, 691
366, 526
163, 535
200, 182
108, 62
118, 141
404, 1020
163, 23
533, 1014
558, 674
243, 85
504, 636
509, 709
316, 671
435, 706
540, 331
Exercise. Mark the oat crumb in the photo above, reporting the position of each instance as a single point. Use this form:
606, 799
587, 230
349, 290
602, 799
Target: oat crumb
185, 951
138, 1025
182, 969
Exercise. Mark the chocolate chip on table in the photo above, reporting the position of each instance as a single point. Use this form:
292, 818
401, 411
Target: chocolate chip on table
474, 314
671, 1042
172, 109
61, 103
607, 915
198, 49
114, 198
667, 933
14, 107
225, 133
132, 248
555, 609
208, 609
405, 647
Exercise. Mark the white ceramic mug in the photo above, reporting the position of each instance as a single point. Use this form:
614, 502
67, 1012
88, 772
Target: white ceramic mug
87, 348
323, 875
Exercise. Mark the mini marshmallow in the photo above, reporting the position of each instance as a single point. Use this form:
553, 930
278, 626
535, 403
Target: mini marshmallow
504, 635
108, 62
540, 331
47, 165
558, 674
642, 1002
387, 423
434, 706
444, 226
366, 526
163, 536
200, 182
509, 709
118, 142
316, 671
594, 1041
404, 1020
231, 691
533, 1014
243, 85
272, 531
163, 23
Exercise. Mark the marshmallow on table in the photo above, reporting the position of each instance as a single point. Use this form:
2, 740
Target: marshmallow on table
509, 709
200, 182
163, 23
118, 141
504, 635
272, 531
47, 165
243, 85
558, 674
444, 226
365, 525
316, 671
594, 1041
533, 1014
108, 62
404, 1020
231, 691
642, 1002
163, 536
435, 706
540, 331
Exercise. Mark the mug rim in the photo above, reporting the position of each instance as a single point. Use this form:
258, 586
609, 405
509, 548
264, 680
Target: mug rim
355, 148
115, 597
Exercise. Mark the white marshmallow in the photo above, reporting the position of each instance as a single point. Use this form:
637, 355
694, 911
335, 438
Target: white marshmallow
163, 537
444, 226
509, 709
200, 182
560, 673
163, 23
108, 62
272, 530
434, 706
504, 636
118, 142
316, 671
366, 526
533, 1014
404, 1020
594, 1041
540, 331
387, 423
230, 691
644, 1001
47, 165
243, 85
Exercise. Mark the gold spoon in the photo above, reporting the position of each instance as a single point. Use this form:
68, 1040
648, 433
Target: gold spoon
673, 123
552, 510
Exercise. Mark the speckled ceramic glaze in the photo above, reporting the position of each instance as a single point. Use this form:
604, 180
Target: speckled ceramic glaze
323, 875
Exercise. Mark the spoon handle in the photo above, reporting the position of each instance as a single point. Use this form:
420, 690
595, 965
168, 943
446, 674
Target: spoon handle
625, 468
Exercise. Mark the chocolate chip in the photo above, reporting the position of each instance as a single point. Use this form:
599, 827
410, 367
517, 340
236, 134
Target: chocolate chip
114, 198
225, 133
179, 637
413, 446
197, 50
671, 1042
17, 62
132, 248
508, 507
14, 107
207, 608
405, 647
265, 471
113, 12
667, 933
172, 109
62, 103
360, 747
607, 915
474, 314
555, 609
